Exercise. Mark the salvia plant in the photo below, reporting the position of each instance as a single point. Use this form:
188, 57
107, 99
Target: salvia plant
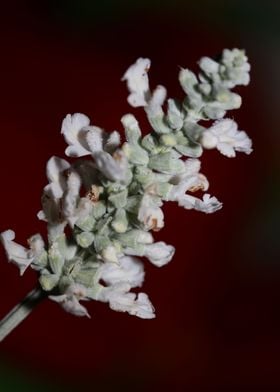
111, 195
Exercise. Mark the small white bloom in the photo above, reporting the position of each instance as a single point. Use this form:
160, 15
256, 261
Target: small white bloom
159, 253
16, 253
208, 204
190, 180
94, 138
225, 136
121, 300
55, 173
138, 83
74, 134
130, 270
150, 215
143, 307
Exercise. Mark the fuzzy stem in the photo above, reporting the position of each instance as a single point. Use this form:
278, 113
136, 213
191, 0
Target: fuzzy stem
20, 312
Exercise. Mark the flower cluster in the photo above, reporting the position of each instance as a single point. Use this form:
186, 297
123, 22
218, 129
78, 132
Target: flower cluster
112, 197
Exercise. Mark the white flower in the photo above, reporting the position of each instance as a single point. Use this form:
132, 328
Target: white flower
208, 204
130, 270
70, 300
224, 135
159, 253
54, 191
121, 300
55, 173
150, 215
190, 180
138, 82
16, 253
73, 130
138, 86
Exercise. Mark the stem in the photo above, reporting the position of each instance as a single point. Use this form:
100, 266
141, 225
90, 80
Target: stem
20, 312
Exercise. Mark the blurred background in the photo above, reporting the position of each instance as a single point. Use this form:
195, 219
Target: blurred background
217, 302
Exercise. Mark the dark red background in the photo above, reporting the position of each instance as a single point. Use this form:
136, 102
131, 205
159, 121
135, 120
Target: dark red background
217, 302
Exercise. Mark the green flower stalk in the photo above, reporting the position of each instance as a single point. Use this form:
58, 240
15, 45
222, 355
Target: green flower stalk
111, 195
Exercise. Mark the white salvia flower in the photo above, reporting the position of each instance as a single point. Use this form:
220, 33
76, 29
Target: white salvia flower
138, 83
121, 300
55, 173
94, 138
70, 300
130, 270
208, 204
150, 215
74, 132
224, 135
190, 180
159, 253
54, 191
16, 253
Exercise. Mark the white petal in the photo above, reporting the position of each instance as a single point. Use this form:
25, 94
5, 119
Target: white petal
150, 215
71, 126
138, 82
228, 138
16, 253
94, 138
55, 168
208, 140
72, 130
226, 149
159, 253
76, 151
128, 302
143, 307
208, 204
130, 270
